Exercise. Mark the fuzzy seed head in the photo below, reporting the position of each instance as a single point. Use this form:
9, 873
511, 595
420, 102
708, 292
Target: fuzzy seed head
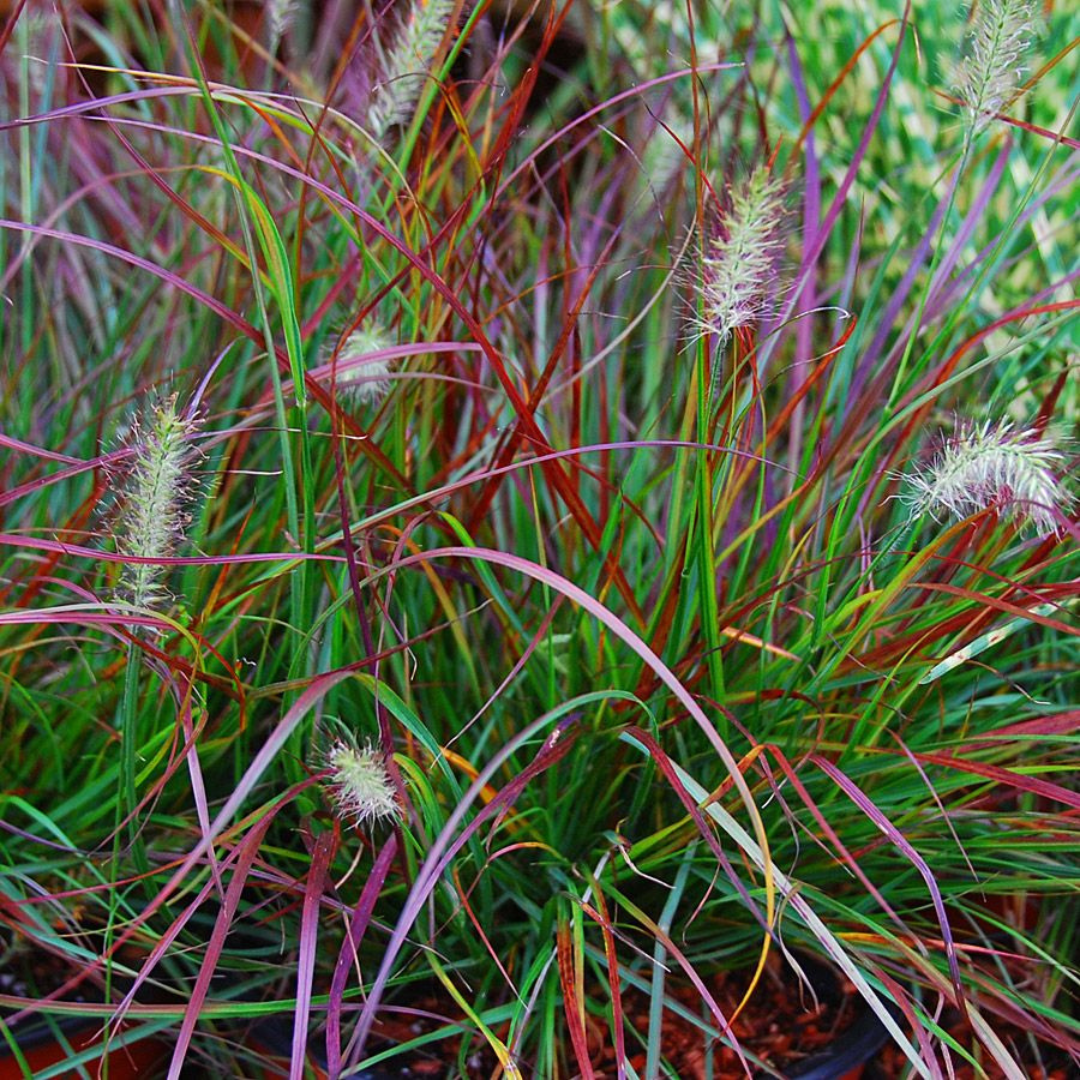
986, 79
152, 516
367, 382
280, 17
405, 62
991, 466
741, 257
359, 786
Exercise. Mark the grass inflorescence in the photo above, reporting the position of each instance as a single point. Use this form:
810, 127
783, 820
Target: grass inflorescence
472, 650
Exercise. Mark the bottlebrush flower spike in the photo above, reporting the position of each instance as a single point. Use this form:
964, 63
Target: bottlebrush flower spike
404, 64
153, 512
986, 79
366, 382
741, 257
991, 466
359, 786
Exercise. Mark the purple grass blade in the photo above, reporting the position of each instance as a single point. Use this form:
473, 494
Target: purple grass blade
261, 762
321, 858
897, 838
36, 451
807, 300
170, 278
249, 849
918, 259
815, 242
40, 544
358, 925
444, 848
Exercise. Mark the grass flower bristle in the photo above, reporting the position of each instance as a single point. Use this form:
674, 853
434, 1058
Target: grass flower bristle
987, 77
367, 382
359, 785
153, 515
992, 466
405, 63
741, 257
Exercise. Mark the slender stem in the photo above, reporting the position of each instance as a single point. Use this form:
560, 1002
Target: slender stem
128, 726
710, 612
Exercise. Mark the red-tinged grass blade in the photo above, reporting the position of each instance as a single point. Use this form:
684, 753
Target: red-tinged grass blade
183, 689
31, 486
993, 603
321, 859
41, 544
358, 924
260, 763
845, 71
9, 24
970, 624
831, 834
897, 838
446, 846
1062, 723
715, 1011
941, 374
249, 850
464, 898
603, 919
571, 978
1044, 788
690, 791
664, 764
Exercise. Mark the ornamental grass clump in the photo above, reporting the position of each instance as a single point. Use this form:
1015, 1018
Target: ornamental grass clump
643, 683
153, 515
992, 466
987, 78
741, 258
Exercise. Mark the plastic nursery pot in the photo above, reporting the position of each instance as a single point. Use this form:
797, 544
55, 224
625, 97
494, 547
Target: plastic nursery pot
846, 1059
43, 1046
854, 1047
40, 1044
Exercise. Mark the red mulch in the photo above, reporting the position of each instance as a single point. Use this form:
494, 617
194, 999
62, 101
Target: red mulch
781, 1024
1054, 1064
778, 1025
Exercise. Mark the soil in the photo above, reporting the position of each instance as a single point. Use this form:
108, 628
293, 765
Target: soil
778, 1025
781, 1025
